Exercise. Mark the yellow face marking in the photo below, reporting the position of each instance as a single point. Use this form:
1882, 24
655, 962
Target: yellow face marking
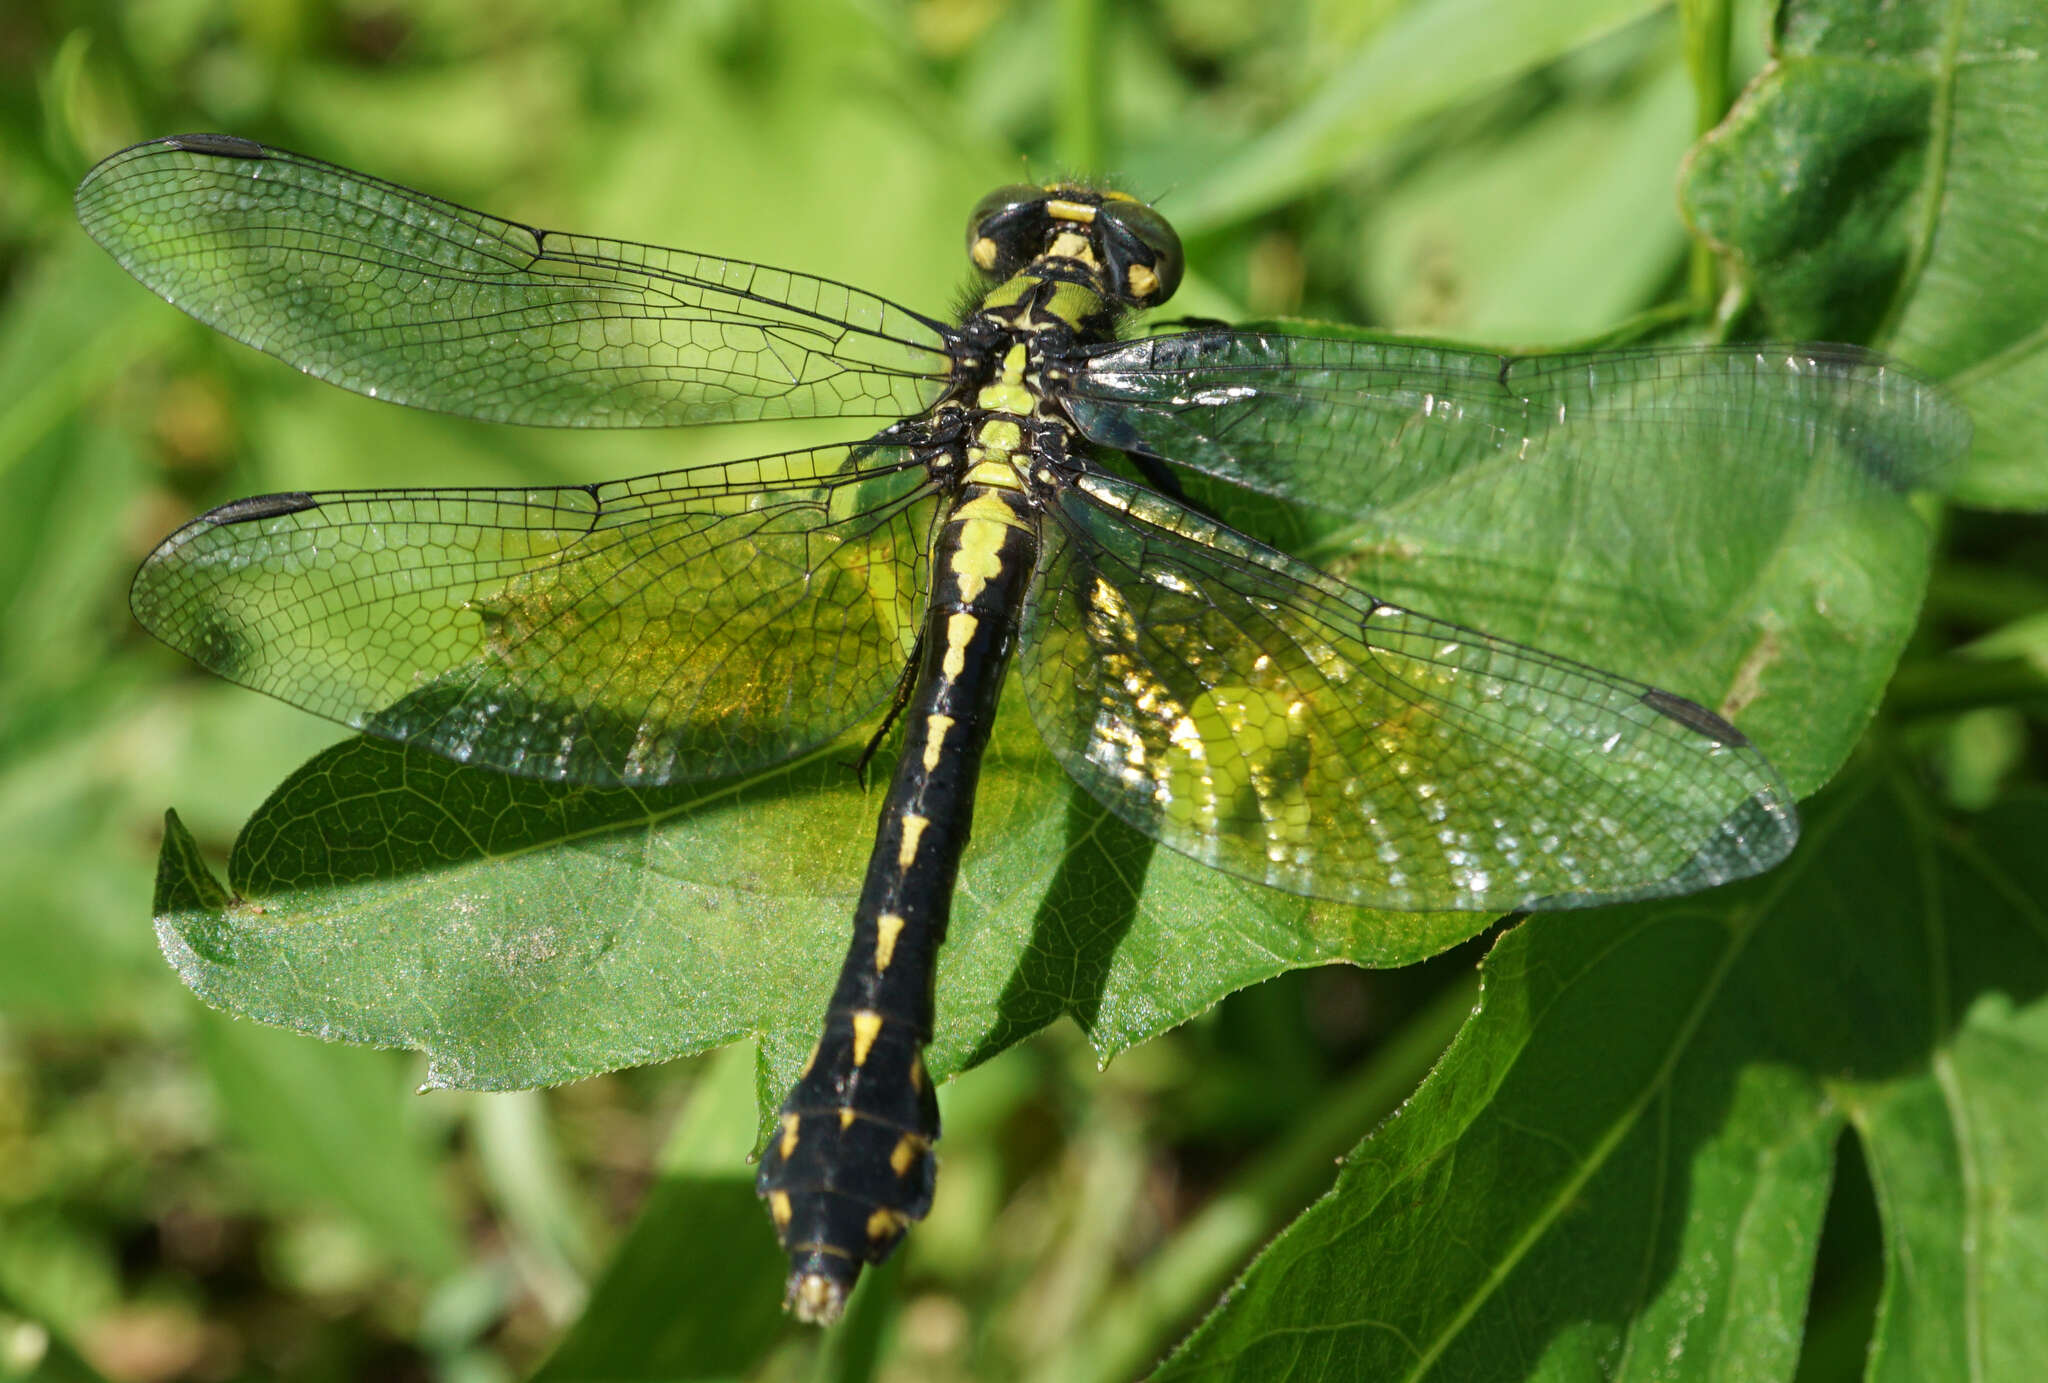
1071, 245
935, 728
1141, 282
913, 831
789, 1123
778, 1209
904, 1155
867, 1026
960, 629
886, 1224
888, 927
983, 253
1062, 210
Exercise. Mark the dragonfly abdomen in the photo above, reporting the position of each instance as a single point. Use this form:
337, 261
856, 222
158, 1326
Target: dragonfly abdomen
850, 1167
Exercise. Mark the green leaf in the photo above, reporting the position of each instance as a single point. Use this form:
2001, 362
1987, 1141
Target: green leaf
320, 1120
1875, 184
1594, 232
660, 1314
1622, 1162
30, 1352
1429, 57
522, 935
329, 1124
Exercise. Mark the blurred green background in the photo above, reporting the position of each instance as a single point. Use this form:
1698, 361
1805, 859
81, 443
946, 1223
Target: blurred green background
182, 1196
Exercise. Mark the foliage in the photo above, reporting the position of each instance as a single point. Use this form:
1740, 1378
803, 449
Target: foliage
1643, 1151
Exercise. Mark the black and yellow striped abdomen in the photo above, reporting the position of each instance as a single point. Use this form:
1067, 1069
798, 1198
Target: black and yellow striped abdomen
850, 1165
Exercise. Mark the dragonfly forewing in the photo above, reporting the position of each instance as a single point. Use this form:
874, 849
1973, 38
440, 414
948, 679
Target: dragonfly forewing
401, 296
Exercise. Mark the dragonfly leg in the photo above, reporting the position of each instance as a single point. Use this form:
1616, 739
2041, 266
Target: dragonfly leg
900, 698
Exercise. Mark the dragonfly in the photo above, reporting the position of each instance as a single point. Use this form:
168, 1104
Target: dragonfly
1020, 512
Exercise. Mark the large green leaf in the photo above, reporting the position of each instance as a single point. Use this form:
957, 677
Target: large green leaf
631, 1328
1427, 57
522, 934
334, 1125
1882, 181
1620, 1166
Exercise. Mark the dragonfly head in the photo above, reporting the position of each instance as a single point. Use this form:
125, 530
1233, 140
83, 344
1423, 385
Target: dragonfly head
1118, 245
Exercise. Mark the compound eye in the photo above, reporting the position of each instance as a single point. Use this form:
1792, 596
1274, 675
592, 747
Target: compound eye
999, 230
1143, 251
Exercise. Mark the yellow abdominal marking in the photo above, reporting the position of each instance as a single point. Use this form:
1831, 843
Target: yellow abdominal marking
904, 1155
886, 1224
888, 927
867, 1026
979, 559
846, 1118
935, 728
913, 829
789, 1126
812, 1059
778, 1208
960, 629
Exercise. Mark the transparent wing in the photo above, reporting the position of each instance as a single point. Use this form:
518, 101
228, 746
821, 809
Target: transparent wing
1249, 711
402, 296
1364, 426
678, 626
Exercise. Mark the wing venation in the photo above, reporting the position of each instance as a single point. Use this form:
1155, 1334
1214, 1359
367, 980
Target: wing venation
398, 295
668, 628
1269, 720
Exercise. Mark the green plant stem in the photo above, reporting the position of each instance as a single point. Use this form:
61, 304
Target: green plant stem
1984, 594
1959, 684
1706, 32
516, 1150
1078, 133
1133, 1325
